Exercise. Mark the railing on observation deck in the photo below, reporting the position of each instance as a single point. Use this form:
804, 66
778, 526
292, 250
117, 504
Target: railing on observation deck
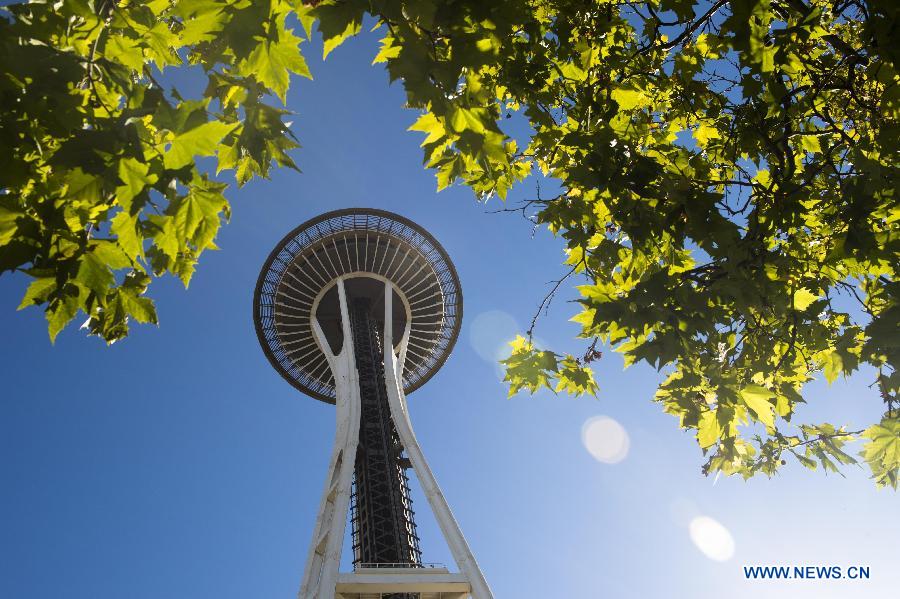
400, 565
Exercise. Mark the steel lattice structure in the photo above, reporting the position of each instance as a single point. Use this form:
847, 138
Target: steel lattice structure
384, 526
359, 307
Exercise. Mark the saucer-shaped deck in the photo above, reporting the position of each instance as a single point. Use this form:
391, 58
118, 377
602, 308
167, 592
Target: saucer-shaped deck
366, 247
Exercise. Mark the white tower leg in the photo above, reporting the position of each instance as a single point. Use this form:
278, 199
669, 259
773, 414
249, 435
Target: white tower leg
320, 575
393, 371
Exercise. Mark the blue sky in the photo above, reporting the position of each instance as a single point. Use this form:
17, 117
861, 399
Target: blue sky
177, 464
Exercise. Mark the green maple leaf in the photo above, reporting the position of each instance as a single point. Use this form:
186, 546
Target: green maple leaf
38, 292
338, 22
757, 397
61, 311
165, 236
199, 141
708, 429
197, 215
882, 451
126, 228
8, 225
272, 62
83, 187
94, 274
629, 99
135, 177
125, 50
803, 298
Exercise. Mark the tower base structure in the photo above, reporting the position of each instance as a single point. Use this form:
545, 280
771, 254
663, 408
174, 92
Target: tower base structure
421, 583
408, 580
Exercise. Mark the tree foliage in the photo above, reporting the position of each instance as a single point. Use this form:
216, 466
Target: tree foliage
727, 176
100, 186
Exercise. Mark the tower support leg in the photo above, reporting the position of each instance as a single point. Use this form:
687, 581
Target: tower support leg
324, 557
393, 371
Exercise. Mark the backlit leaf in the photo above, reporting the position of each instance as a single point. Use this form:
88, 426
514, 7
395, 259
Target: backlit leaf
199, 141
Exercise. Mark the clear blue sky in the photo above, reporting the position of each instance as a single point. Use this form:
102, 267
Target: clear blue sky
177, 464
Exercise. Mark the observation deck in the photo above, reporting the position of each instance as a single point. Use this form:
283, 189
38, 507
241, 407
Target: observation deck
367, 248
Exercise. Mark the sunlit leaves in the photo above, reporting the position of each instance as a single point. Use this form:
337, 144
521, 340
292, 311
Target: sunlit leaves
272, 62
817, 446
101, 188
431, 127
528, 368
63, 308
833, 365
629, 99
882, 452
127, 229
574, 379
704, 133
135, 177
8, 220
339, 20
532, 369
126, 50
93, 274
726, 187
197, 215
38, 291
757, 398
708, 429
467, 119
199, 141
803, 298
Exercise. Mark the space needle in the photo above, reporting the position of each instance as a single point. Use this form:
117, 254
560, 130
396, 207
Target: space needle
358, 308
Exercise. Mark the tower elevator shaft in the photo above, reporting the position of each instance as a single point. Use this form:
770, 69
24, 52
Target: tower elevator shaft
383, 524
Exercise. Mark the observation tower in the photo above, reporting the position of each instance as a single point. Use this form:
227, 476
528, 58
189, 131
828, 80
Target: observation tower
358, 308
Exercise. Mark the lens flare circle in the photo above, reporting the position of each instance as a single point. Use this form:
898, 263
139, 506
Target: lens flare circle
711, 538
605, 439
